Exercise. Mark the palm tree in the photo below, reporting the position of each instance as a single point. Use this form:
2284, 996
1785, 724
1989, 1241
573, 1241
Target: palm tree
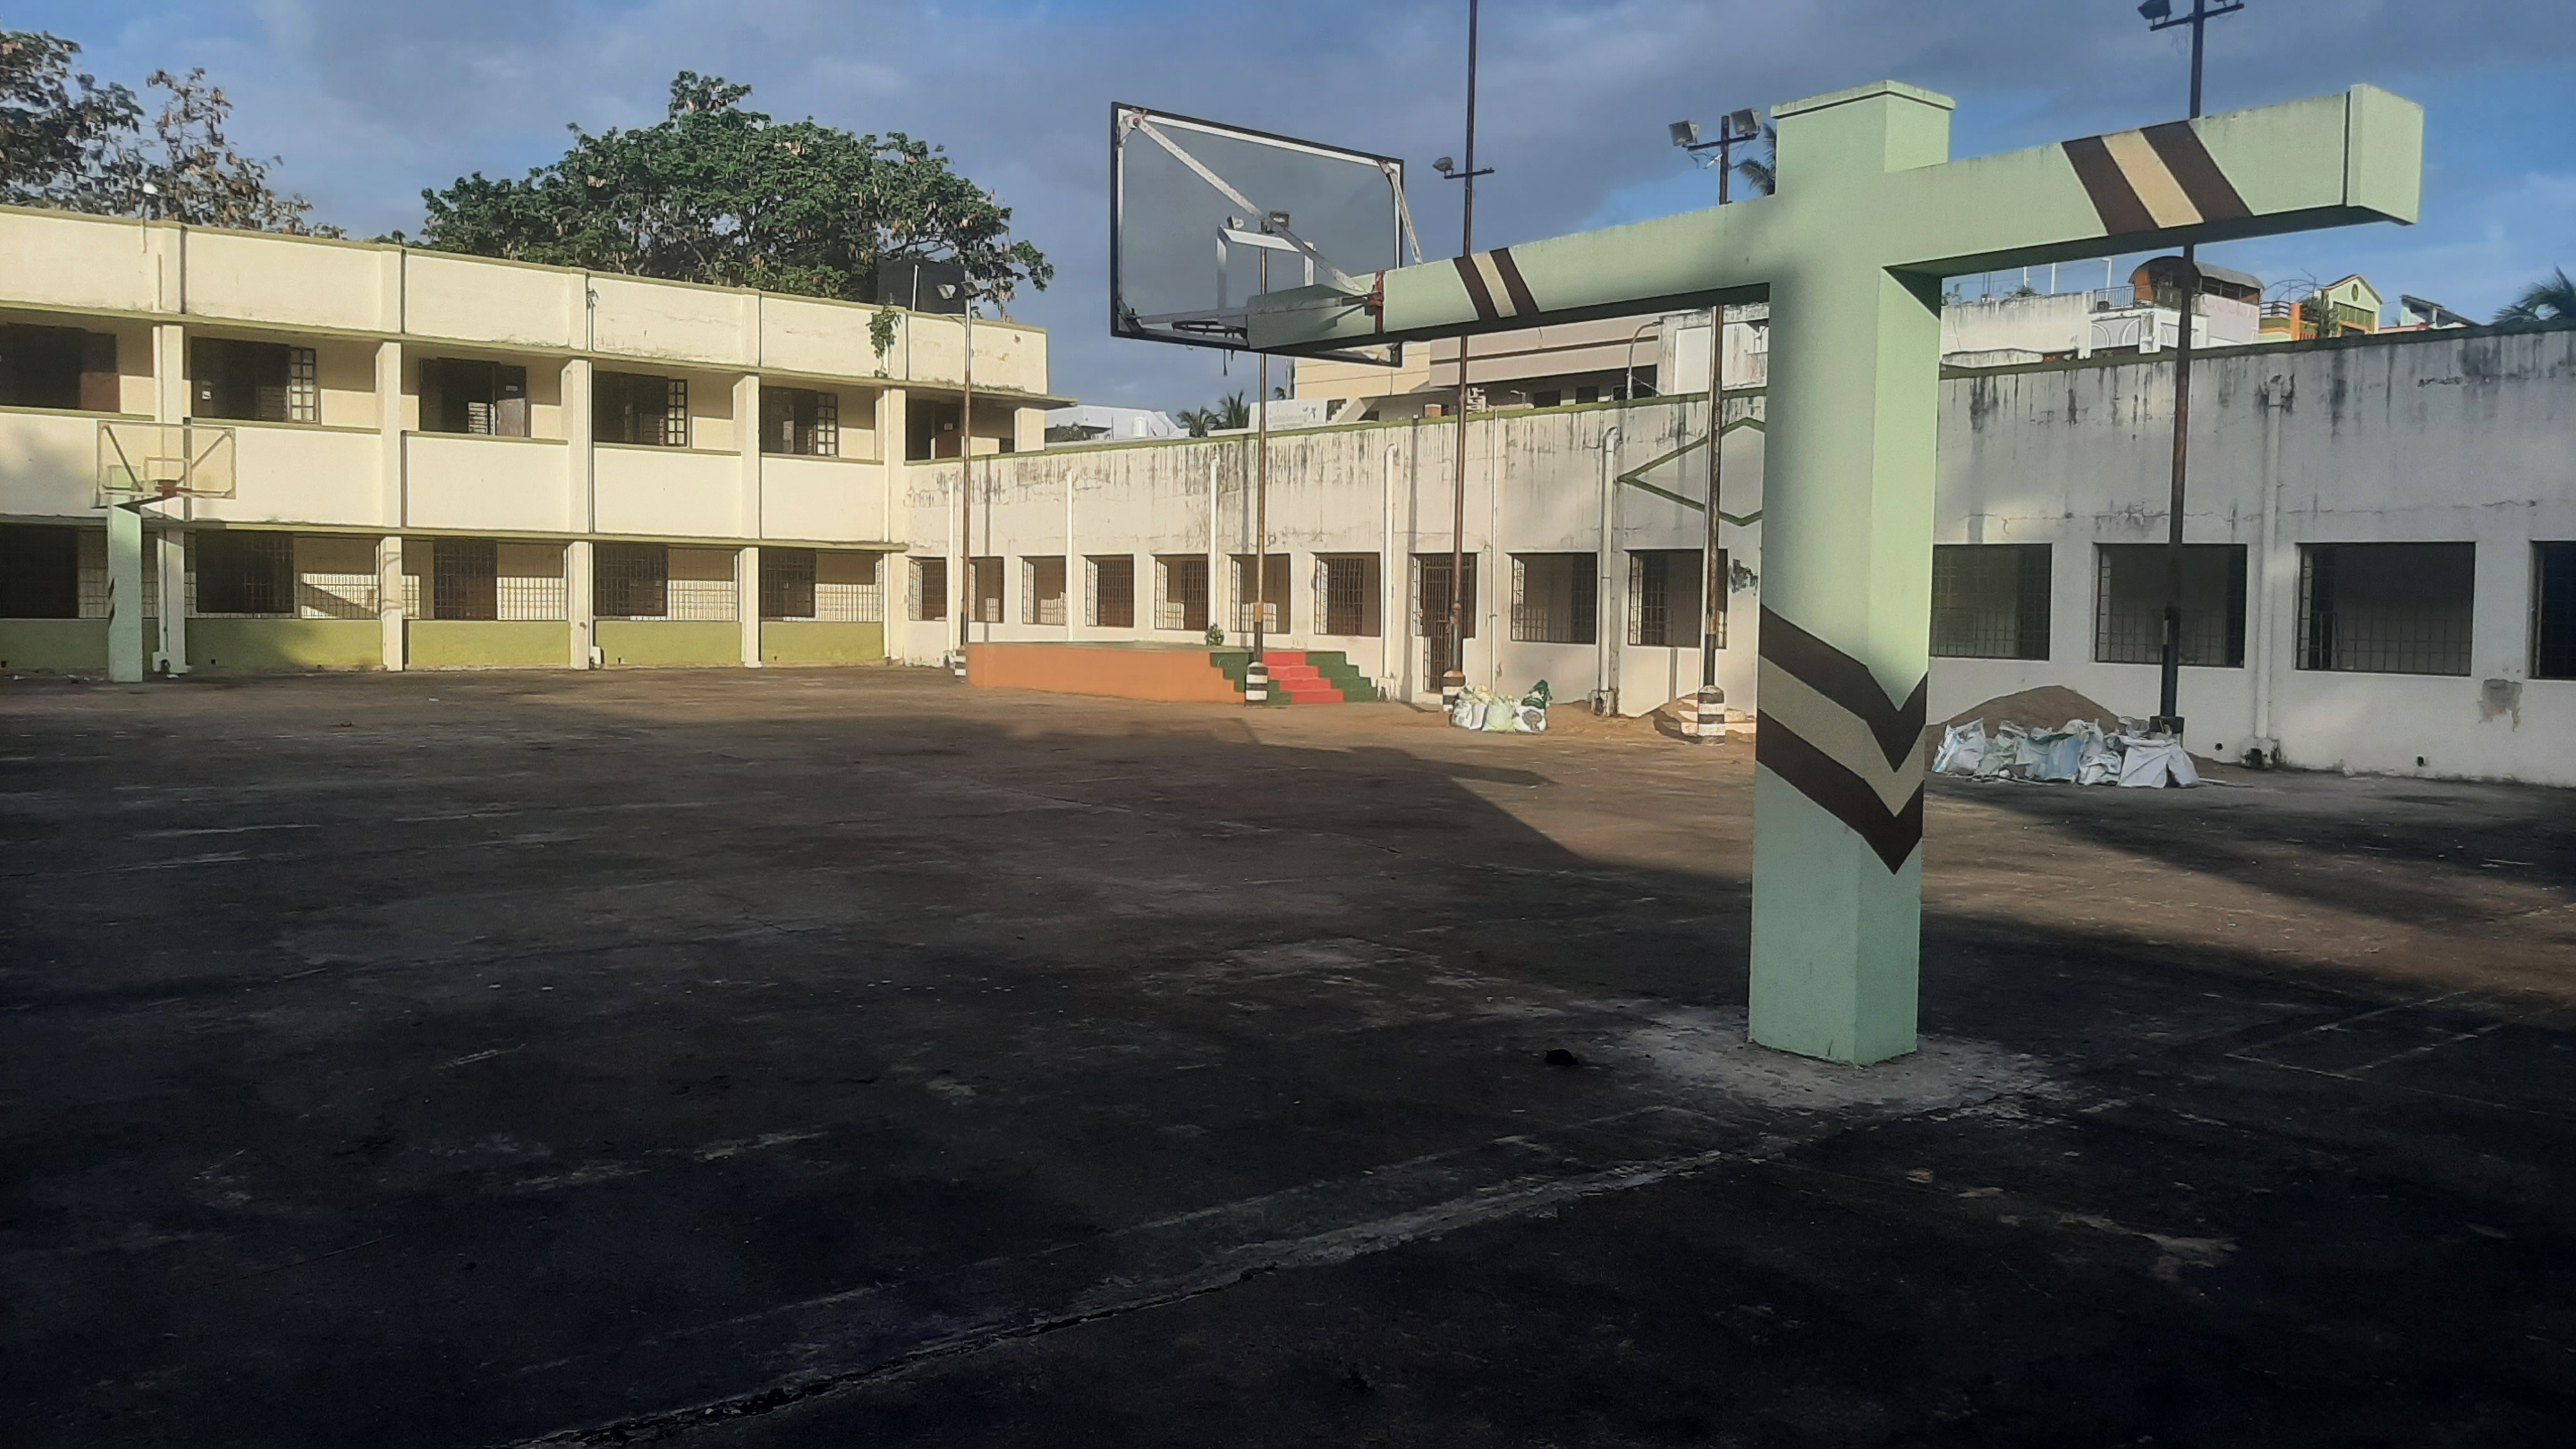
2551, 299
1761, 172
1230, 411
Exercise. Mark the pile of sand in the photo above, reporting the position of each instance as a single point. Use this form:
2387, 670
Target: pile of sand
2048, 707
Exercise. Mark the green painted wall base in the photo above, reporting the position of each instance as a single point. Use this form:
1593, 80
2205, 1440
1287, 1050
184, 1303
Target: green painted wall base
53, 644
668, 641
285, 644
487, 643
801, 641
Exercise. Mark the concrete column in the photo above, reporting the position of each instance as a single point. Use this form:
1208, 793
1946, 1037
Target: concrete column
125, 594
169, 405
892, 439
169, 372
581, 458
746, 601
1028, 430
170, 559
389, 600
746, 433
394, 507
581, 624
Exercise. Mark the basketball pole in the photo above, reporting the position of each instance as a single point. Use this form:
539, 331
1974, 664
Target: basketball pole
1256, 672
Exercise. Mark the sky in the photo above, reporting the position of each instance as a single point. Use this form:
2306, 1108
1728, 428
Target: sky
367, 103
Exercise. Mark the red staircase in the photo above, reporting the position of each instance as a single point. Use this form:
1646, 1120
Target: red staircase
1302, 682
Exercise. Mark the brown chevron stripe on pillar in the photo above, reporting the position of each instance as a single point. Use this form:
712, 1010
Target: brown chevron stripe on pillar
1523, 304
1477, 291
1826, 728
2115, 201
2178, 146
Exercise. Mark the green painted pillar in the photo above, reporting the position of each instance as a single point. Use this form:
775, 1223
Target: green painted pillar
125, 642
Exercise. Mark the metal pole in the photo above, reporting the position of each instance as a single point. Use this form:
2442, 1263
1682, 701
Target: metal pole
966, 479
1256, 674
2169, 692
1710, 582
1454, 679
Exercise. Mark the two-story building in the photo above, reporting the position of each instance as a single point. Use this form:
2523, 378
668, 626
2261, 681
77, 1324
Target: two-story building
435, 459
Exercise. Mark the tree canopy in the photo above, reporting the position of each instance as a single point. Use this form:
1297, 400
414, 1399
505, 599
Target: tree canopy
66, 141
1229, 411
718, 193
2551, 299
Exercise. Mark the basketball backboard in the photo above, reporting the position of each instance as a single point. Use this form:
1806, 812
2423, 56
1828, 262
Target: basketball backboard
1197, 208
147, 462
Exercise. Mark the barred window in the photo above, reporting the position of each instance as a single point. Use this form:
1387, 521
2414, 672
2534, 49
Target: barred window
984, 589
2129, 586
1274, 594
846, 586
1990, 600
787, 583
630, 581
702, 585
928, 595
58, 367
468, 395
39, 572
1556, 598
465, 579
2386, 608
1042, 590
1431, 596
2553, 634
1181, 592
628, 407
335, 577
1664, 597
1348, 584
245, 573
800, 422
267, 382
1113, 592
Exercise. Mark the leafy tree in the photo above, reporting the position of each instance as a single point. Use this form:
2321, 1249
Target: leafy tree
2551, 299
68, 142
718, 193
1230, 411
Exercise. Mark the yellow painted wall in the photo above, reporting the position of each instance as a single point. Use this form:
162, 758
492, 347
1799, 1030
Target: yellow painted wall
252, 644
52, 644
487, 643
668, 641
800, 641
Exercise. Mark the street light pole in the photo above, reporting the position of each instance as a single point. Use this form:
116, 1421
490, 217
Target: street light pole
1256, 671
2159, 15
1453, 679
1707, 722
966, 476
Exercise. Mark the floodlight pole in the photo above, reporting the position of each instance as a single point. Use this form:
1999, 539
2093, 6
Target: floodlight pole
966, 475
1256, 671
1707, 722
1453, 681
2169, 691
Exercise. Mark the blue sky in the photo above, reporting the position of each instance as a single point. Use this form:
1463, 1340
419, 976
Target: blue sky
369, 102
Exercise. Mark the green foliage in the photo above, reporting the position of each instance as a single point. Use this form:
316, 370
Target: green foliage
68, 142
1230, 411
881, 334
717, 193
2551, 299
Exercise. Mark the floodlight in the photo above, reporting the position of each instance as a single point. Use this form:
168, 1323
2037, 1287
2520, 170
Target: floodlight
1444, 165
1276, 221
1743, 125
1685, 133
2155, 10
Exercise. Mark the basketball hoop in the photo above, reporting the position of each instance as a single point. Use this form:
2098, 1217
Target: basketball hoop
141, 463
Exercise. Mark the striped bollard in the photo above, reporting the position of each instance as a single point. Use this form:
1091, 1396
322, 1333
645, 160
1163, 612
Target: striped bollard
1256, 682
1707, 722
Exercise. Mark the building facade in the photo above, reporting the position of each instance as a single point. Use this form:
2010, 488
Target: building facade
447, 460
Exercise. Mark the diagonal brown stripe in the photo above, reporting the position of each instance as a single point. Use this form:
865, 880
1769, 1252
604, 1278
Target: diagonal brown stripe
1522, 304
1477, 291
2114, 200
1846, 681
2178, 146
1838, 792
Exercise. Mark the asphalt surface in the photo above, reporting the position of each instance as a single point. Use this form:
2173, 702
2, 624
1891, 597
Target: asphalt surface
846, 1057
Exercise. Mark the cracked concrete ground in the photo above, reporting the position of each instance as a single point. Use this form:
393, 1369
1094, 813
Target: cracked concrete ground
849, 1058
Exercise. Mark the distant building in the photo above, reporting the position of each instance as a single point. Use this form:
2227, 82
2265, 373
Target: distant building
2346, 308
2414, 314
1609, 360
1092, 423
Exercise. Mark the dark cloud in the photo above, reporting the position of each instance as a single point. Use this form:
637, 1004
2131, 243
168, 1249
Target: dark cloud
370, 102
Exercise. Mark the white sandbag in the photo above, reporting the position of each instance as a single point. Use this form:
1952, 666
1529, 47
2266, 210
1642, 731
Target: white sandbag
2156, 763
2057, 756
1530, 719
1963, 748
2100, 761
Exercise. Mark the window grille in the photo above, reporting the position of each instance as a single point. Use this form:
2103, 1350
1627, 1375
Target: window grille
1181, 593
2129, 604
245, 573
1556, 598
1431, 595
1990, 600
1274, 588
928, 597
303, 386
2386, 608
267, 382
467, 395
465, 579
1113, 592
1042, 590
848, 587
628, 407
702, 584
1663, 594
800, 422
630, 581
787, 583
984, 589
528, 581
41, 575
2553, 633
1349, 584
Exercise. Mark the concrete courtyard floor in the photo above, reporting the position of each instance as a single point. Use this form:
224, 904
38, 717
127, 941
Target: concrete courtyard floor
849, 1058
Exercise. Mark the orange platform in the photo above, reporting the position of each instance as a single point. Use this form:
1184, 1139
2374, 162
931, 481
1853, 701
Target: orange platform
1129, 672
